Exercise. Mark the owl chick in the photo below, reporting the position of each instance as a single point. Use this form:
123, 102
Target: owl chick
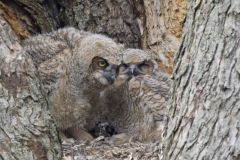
138, 99
74, 67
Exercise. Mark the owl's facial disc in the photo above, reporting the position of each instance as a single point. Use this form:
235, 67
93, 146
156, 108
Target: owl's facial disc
134, 69
103, 71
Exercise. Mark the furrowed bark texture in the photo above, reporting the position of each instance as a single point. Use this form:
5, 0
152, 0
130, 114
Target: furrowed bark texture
27, 130
30, 16
205, 110
117, 19
163, 28
148, 24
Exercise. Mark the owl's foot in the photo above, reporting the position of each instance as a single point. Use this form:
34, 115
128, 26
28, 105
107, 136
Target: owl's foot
64, 138
79, 134
119, 139
103, 129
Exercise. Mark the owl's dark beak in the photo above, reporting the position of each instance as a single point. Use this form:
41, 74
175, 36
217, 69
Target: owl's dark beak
111, 79
133, 70
110, 73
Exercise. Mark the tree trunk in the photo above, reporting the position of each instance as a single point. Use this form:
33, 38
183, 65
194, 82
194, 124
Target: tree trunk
27, 130
205, 117
163, 28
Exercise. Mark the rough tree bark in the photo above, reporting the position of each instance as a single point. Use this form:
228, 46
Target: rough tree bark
117, 19
147, 24
163, 28
27, 130
205, 111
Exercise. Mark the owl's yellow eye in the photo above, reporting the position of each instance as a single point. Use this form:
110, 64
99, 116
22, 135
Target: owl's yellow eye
102, 64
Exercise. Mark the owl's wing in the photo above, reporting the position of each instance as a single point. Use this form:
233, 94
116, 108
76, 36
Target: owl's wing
43, 47
50, 53
159, 83
46, 51
157, 95
51, 70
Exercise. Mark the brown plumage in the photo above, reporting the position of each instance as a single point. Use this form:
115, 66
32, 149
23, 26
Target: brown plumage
138, 99
74, 67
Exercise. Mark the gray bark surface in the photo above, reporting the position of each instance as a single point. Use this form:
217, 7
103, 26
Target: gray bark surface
117, 19
205, 117
37, 16
27, 130
147, 24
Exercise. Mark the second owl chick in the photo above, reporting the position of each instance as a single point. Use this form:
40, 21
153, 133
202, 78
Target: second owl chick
138, 99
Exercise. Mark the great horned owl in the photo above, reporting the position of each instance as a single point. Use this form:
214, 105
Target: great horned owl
138, 99
74, 67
